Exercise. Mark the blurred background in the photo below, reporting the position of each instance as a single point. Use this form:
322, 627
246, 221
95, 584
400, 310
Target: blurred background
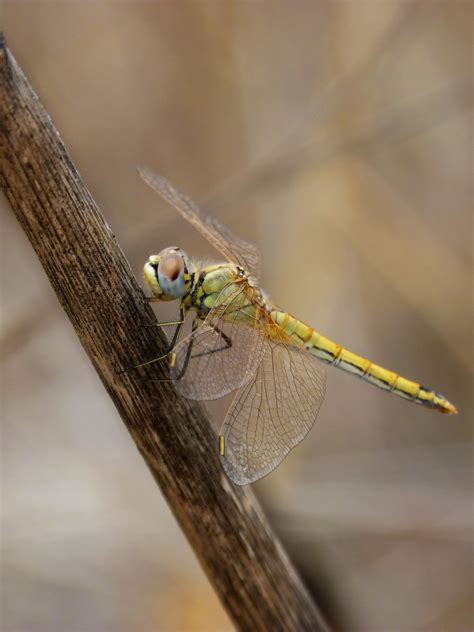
337, 137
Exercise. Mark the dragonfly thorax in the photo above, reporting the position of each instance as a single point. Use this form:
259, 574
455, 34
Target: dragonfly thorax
167, 274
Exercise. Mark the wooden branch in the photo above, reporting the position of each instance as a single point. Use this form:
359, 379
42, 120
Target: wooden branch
224, 524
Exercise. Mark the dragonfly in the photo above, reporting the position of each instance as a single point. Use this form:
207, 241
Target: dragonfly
241, 341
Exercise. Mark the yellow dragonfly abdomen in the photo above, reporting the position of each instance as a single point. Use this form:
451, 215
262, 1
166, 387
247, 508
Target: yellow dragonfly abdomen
304, 337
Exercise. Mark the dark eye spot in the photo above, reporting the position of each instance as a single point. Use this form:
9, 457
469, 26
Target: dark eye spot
171, 266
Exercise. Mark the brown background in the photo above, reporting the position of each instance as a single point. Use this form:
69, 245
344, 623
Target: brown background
336, 136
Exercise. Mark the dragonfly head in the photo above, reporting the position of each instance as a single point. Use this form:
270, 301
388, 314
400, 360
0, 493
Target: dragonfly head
166, 274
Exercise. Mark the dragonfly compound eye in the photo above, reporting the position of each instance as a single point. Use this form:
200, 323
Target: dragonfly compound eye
170, 275
171, 266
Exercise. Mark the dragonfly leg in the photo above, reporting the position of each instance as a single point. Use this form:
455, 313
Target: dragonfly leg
179, 325
225, 338
196, 322
188, 351
171, 322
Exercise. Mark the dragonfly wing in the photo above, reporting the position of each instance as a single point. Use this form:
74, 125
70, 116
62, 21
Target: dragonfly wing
233, 248
223, 354
272, 413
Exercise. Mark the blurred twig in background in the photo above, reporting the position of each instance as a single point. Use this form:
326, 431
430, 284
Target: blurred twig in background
224, 524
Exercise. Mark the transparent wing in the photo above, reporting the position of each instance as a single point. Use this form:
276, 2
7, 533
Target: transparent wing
272, 413
223, 354
234, 249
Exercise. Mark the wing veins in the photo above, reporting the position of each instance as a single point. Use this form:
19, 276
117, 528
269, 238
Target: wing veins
233, 248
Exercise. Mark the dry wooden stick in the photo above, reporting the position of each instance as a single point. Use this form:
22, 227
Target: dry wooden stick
224, 524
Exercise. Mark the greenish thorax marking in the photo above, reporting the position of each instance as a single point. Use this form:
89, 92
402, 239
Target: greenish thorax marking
213, 283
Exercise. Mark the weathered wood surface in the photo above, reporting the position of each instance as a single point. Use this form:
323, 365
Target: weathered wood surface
225, 526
